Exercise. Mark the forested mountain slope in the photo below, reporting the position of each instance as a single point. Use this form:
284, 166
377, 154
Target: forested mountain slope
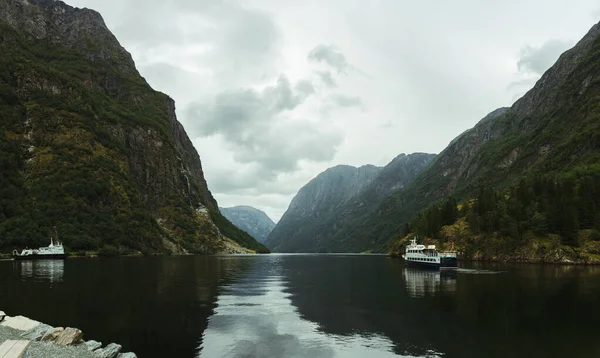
88, 147
553, 130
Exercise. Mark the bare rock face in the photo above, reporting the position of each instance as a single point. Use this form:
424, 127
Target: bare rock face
68, 337
67, 26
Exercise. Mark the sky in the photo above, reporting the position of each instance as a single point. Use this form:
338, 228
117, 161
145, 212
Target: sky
273, 92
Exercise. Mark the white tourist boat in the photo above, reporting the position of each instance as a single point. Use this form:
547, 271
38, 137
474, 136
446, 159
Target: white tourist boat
428, 256
51, 252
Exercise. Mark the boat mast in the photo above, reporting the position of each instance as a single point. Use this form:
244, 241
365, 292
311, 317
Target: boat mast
56, 235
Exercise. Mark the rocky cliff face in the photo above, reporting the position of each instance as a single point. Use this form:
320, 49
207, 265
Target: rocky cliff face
330, 190
253, 221
336, 198
90, 148
552, 128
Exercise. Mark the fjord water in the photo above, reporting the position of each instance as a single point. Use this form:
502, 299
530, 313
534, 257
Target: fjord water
311, 306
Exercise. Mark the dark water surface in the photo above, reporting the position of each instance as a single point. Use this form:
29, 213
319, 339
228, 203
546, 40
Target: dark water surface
311, 306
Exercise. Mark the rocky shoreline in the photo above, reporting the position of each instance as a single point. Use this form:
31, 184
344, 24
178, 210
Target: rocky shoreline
56, 342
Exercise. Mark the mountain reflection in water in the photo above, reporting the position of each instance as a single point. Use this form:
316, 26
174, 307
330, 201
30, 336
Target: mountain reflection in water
312, 306
306, 306
262, 322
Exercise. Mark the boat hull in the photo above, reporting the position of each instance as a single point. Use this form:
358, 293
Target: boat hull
40, 257
445, 262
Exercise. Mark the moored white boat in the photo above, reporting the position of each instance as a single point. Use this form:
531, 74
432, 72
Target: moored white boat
51, 252
428, 256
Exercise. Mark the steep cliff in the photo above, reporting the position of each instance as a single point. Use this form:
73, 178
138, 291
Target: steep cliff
253, 221
87, 146
324, 206
552, 129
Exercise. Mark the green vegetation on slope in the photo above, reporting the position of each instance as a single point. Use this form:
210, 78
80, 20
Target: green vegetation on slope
239, 236
65, 157
554, 128
552, 217
73, 176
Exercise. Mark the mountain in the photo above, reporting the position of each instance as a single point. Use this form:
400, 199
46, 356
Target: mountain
88, 147
552, 129
253, 221
336, 198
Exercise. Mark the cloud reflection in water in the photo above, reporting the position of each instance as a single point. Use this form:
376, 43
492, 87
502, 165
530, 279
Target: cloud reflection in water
255, 318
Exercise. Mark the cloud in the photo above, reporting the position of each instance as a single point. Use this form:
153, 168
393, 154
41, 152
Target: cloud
326, 78
235, 43
343, 100
330, 55
538, 59
259, 128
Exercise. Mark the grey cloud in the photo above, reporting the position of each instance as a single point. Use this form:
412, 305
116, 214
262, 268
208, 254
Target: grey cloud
249, 42
238, 43
330, 55
343, 100
256, 129
281, 96
539, 59
327, 78
305, 87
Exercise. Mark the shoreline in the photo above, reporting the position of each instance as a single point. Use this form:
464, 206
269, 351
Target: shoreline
43, 340
517, 261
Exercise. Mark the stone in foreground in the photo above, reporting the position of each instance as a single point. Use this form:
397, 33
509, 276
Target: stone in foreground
20, 323
51, 335
127, 355
68, 337
110, 351
2, 315
36, 334
13, 349
93, 345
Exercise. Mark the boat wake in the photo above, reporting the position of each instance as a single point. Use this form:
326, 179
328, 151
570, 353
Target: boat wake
478, 271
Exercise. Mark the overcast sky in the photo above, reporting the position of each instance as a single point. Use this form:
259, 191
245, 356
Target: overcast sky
272, 92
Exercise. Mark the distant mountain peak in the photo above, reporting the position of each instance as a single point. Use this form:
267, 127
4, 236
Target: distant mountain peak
250, 219
341, 193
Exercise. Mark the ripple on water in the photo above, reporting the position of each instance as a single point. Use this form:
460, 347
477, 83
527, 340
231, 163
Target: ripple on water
478, 271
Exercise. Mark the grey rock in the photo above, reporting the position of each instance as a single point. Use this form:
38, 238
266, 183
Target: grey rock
127, 355
110, 351
52, 334
68, 337
36, 334
93, 345
2, 315
253, 221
